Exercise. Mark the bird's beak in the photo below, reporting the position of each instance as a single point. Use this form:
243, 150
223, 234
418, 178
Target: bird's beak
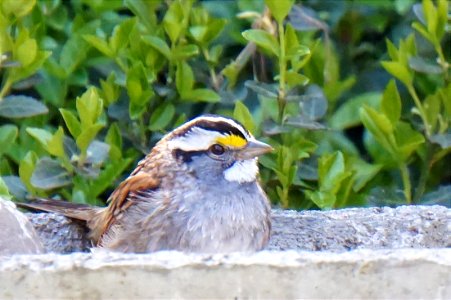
253, 149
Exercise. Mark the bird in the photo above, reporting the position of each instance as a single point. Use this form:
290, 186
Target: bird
197, 190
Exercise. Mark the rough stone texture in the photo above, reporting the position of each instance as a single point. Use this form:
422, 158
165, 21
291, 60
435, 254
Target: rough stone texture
371, 273
359, 274
17, 235
60, 234
362, 228
337, 230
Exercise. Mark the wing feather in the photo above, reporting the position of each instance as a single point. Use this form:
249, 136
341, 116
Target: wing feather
121, 200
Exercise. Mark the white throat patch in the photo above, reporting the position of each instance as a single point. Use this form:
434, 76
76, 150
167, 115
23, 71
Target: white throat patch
242, 171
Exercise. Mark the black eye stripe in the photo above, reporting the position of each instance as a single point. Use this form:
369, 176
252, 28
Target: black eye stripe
186, 156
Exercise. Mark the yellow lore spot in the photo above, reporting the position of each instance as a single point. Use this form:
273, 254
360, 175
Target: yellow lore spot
232, 140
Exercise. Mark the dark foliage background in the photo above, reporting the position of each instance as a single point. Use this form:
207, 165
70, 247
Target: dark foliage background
354, 95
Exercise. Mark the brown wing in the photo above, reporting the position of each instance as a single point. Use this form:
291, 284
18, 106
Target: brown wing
119, 202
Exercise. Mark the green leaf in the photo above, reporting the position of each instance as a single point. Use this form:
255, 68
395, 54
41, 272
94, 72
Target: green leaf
376, 122
279, 8
331, 169
121, 34
215, 54
363, 172
71, 121
26, 71
347, 115
296, 79
262, 88
184, 80
87, 135
89, 107
421, 65
139, 90
391, 102
114, 139
161, 117
421, 29
99, 44
73, 53
231, 72
382, 129
26, 167
49, 174
430, 15
173, 21
392, 51
399, 71
291, 41
432, 108
52, 89
297, 52
263, 39
198, 32
242, 114
158, 44
324, 200
4, 192
8, 135
41, 135
442, 18
314, 105
19, 8
110, 90
55, 144
203, 95
184, 51
215, 27
15, 187
97, 153
21, 107
407, 48
407, 139
134, 83
26, 52
145, 11
113, 136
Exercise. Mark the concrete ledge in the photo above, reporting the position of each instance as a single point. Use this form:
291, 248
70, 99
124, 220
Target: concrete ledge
335, 230
362, 274
401, 253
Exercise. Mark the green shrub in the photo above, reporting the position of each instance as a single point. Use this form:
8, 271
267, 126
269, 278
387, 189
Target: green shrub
89, 86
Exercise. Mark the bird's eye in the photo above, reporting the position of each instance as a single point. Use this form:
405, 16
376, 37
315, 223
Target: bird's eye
217, 149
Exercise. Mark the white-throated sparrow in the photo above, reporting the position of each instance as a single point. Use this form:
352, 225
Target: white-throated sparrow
196, 191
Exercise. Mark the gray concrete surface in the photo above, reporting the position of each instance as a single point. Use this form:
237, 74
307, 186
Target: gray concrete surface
335, 230
359, 274
315, 262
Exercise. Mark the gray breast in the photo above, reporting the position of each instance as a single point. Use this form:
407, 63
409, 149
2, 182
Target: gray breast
192, 216
227, 218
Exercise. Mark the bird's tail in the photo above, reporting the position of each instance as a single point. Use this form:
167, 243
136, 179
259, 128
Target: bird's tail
77, 211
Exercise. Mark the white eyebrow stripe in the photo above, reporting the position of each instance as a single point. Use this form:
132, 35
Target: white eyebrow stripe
197, 139
215, 119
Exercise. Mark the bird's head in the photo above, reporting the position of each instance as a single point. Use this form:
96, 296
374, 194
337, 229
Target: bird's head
217, 146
